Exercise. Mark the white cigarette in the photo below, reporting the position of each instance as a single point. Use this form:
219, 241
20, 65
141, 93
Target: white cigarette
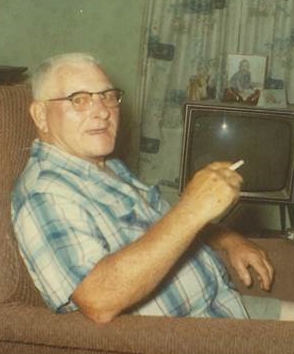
236, 165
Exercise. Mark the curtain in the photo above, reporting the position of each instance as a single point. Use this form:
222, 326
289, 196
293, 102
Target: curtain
188, 39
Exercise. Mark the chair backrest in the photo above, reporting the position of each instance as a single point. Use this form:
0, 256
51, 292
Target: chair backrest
16, 134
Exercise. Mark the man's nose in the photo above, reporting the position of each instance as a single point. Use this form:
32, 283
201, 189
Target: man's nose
102, 111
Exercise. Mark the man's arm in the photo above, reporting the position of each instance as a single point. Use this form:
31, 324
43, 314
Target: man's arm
122, 279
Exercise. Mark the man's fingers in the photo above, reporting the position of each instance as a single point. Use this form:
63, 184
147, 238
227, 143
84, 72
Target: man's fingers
266, 275
264, 272
244, 275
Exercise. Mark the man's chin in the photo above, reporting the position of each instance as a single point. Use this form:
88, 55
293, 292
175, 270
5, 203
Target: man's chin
100, 155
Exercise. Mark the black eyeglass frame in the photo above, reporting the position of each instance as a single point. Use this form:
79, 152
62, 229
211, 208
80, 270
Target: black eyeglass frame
100, 93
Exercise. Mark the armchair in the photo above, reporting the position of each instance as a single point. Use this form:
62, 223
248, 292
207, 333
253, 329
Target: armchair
27, 326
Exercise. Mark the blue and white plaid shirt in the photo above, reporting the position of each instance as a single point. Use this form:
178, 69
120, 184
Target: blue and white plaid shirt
68, 214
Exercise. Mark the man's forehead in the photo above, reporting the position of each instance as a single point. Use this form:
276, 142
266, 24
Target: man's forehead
71, 77
69, 70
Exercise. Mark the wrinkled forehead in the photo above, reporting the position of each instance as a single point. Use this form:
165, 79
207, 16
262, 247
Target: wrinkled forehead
67, 78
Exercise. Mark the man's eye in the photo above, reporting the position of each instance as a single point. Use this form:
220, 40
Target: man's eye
110, 96
80, 99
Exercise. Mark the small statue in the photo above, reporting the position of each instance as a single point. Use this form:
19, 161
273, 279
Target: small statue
197, 89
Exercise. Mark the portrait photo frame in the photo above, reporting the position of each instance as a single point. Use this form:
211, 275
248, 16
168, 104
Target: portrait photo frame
245, 77
257, 67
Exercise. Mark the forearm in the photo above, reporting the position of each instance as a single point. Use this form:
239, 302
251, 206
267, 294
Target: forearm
220, 237
122, 279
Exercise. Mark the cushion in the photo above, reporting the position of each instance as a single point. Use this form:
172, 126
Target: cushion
16, 134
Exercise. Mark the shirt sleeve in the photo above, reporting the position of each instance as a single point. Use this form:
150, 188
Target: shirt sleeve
60, 244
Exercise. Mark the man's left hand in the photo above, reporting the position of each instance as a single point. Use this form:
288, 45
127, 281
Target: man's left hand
243, 254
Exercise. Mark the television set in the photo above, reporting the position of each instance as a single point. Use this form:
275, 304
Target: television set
263, 138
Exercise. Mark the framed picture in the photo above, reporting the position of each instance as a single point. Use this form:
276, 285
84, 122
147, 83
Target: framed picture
246, 76
271, 98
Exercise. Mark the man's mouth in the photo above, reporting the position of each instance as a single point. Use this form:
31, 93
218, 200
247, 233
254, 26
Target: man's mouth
96, 131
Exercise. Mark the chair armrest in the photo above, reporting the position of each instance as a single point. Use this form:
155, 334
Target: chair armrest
281, 254
32, 329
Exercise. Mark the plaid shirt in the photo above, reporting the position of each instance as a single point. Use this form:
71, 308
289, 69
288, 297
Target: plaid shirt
68, 214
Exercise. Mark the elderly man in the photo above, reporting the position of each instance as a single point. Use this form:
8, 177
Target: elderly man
96, 239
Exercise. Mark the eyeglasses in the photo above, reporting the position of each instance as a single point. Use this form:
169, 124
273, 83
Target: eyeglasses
83, 100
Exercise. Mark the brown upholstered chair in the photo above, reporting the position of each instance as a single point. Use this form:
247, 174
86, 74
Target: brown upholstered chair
27, 326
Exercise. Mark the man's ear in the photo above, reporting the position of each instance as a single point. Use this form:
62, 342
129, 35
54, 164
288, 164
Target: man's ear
38, 113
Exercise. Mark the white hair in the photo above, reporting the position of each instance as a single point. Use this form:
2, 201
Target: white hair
46, 68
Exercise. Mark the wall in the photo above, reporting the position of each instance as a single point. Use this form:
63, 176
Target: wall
32, 30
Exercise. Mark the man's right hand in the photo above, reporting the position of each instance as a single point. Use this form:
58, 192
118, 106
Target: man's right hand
211, 191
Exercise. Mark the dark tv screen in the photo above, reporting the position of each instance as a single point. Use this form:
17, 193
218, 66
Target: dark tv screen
262, 138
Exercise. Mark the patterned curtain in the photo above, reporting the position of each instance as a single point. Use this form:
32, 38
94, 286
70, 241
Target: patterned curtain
188, 39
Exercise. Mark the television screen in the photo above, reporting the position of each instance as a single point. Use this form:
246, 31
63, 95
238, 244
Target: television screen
262, 138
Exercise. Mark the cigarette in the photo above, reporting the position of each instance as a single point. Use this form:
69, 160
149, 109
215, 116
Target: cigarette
236, 165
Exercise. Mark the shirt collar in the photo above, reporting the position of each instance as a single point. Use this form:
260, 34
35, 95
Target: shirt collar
81, 167
62, 159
